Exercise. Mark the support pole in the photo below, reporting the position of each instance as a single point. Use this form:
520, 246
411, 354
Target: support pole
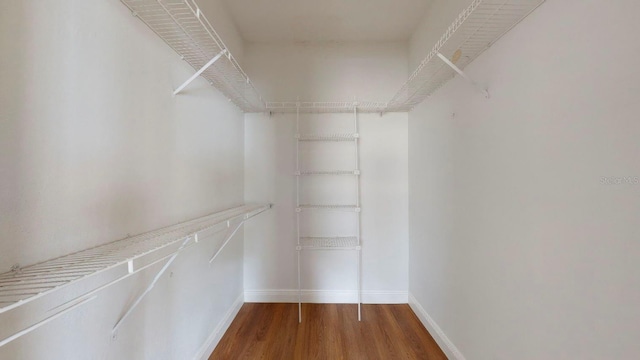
199, 72
298, 248
146, 291
226, 241
461, 73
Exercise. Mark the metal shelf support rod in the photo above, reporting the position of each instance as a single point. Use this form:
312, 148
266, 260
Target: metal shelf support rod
297, 207
464, 76
199, 72
43, 322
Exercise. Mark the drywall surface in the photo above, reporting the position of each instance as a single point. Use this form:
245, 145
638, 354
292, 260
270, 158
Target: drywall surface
331, 71
326, 72
93, 147
524, 208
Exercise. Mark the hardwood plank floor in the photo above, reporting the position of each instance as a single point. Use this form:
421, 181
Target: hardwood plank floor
327, 332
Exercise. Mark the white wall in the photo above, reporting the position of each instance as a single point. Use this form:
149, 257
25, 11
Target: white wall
94, 147
518, 250
324, 72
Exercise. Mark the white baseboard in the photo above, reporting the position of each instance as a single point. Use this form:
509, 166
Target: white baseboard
212, 341
436, 332
325, 296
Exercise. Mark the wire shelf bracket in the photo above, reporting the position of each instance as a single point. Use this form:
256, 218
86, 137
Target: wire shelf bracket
44, 322
465, 76
473, 31
315, 243
199, 72
183, 26
122, 258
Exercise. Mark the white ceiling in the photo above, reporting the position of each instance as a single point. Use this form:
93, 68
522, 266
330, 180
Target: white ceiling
327, 20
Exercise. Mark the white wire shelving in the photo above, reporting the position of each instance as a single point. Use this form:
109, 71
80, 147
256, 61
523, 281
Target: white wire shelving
336, 172
473, 31
183, 26
305, 242
328, 243
25, 285
335, 107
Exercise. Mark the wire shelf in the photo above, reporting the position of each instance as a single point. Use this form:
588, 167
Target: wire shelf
353, 208
329, 243
181, 24
325, 107
474, 30
327, 137
32, 282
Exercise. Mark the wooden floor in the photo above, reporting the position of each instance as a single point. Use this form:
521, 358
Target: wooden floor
327, 332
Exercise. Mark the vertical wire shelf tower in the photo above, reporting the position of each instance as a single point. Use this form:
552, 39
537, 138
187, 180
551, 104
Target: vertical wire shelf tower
346, 242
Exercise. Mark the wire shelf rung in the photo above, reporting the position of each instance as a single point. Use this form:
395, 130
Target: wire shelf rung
181, 25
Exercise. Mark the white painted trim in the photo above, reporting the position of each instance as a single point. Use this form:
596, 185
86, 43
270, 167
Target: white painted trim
436, 332
212, 341
325, 296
